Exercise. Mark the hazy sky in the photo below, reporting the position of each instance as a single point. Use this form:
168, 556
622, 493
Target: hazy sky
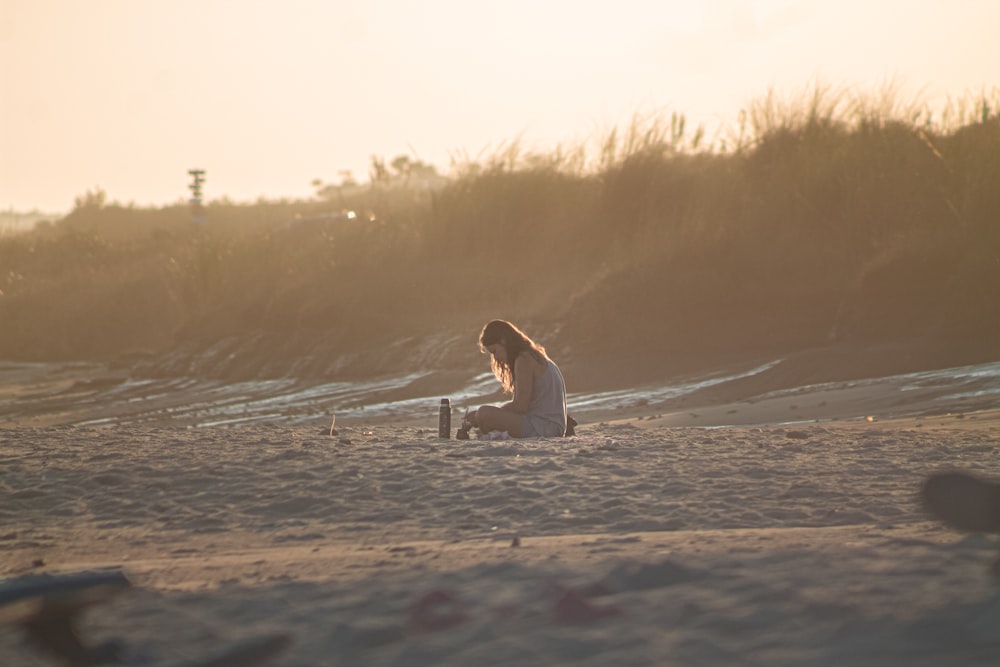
267, 95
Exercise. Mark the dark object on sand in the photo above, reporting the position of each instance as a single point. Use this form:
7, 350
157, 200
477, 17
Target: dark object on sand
463, 431
570, 426
47, 608
963, 501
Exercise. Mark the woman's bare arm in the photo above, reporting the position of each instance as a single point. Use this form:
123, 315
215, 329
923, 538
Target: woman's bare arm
525, 367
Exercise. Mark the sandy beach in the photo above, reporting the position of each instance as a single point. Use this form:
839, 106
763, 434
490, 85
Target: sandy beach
636, 542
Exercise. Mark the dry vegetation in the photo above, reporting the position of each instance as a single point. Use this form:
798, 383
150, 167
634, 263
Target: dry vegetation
830, 220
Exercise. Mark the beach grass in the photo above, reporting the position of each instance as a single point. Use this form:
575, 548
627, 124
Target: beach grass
827, 217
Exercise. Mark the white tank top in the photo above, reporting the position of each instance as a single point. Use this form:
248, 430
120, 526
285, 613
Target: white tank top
548, 396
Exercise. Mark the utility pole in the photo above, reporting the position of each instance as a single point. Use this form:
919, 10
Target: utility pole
197, 180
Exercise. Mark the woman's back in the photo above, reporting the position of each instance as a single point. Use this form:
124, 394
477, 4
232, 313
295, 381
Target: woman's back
548, 398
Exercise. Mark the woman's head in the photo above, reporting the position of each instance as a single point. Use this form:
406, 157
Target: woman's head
504, 342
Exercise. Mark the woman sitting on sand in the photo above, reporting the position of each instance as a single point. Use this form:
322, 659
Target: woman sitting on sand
538, 406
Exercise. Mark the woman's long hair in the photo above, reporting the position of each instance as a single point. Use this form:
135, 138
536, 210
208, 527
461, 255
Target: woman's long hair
515, 341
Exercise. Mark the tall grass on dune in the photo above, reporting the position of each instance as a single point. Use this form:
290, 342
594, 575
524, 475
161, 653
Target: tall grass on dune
830, 218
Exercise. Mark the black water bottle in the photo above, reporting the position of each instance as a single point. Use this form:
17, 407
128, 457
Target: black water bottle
444, 419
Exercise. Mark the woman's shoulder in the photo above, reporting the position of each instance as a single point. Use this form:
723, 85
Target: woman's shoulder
526, 358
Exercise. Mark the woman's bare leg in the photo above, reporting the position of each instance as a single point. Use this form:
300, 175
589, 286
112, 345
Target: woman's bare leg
491, 418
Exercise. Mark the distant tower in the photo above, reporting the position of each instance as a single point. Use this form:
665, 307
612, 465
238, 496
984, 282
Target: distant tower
197, 180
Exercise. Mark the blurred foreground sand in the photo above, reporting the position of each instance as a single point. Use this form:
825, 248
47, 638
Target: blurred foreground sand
639, 541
